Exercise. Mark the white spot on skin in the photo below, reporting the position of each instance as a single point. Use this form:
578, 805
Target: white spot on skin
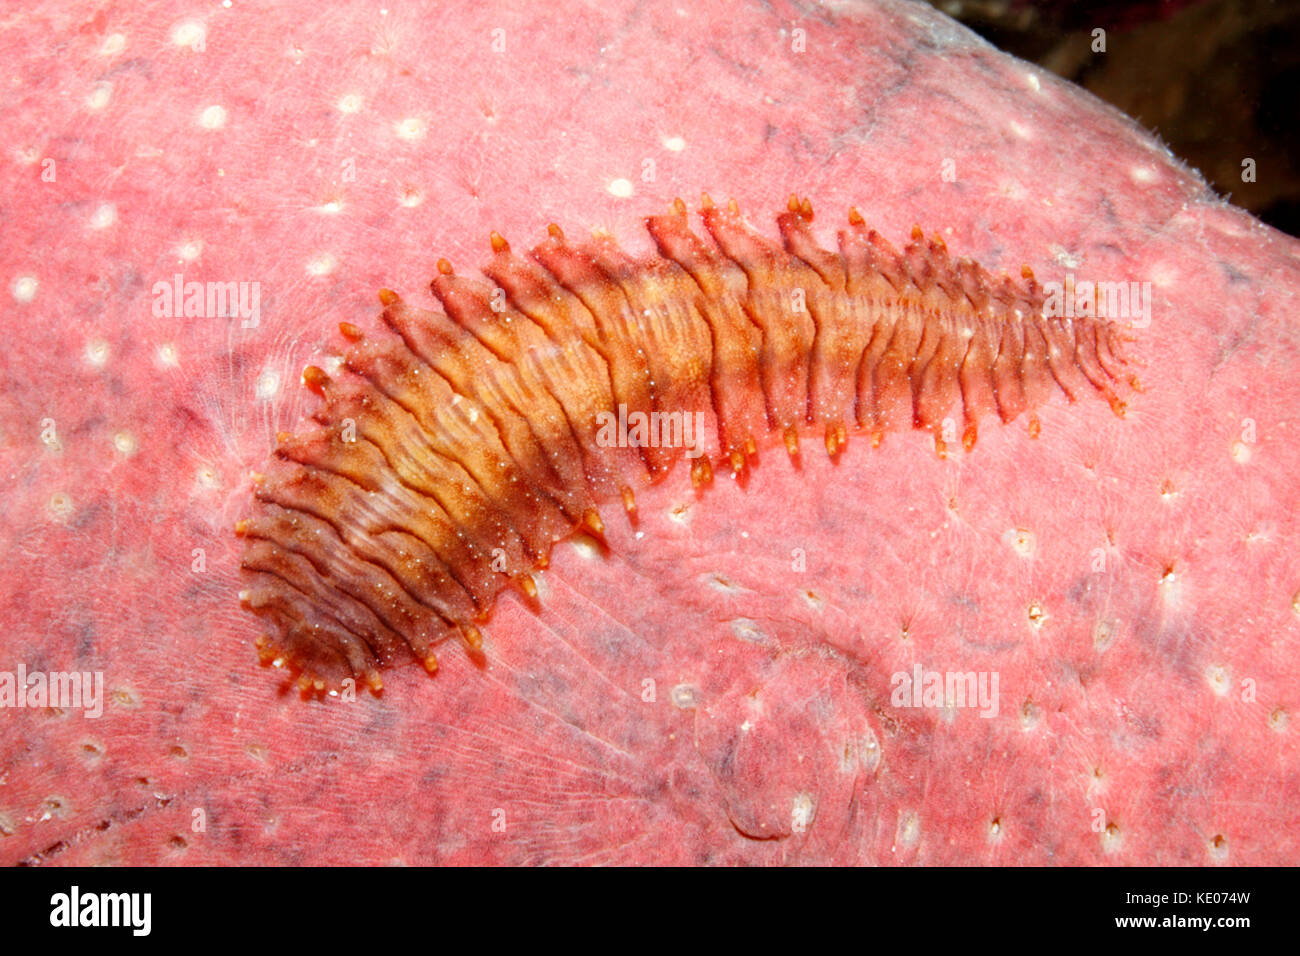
124, 443
322, 265
411, 197
1037, 615
1096, 780
1020, 541
1230, 228
1171, 586
411, 128
113, 44
268, 385
1278, 719
1103, 634
189, 33
191, 250
620, 188
59, 505
104, 216
674, 144
206, 477
909, 829
1012, 191
349, 103
1217, 846
24, 288
801, 812
1241, 453
1165, 276
97, 353
748, 631
1031, 715
1143, 174
1066, 259
680, 513
1031, 80
684, 697
870, 756
168, 357
214, 117
1020, 132
1257, 536
98, 97
720, 583
860, 754
585, 547
1110, 838
333, 206
1216, 675
52, 808
543, 585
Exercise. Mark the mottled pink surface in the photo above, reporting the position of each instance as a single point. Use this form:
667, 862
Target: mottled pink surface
690, 696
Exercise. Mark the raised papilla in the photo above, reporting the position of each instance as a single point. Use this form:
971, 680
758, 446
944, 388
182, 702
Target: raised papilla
454, 450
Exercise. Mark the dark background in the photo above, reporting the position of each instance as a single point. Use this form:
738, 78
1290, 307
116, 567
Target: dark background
1217, 80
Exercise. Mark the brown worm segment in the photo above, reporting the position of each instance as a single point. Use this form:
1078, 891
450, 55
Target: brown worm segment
454, 449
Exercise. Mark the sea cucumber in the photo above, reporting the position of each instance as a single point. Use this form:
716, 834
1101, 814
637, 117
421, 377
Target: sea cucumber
454, 450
